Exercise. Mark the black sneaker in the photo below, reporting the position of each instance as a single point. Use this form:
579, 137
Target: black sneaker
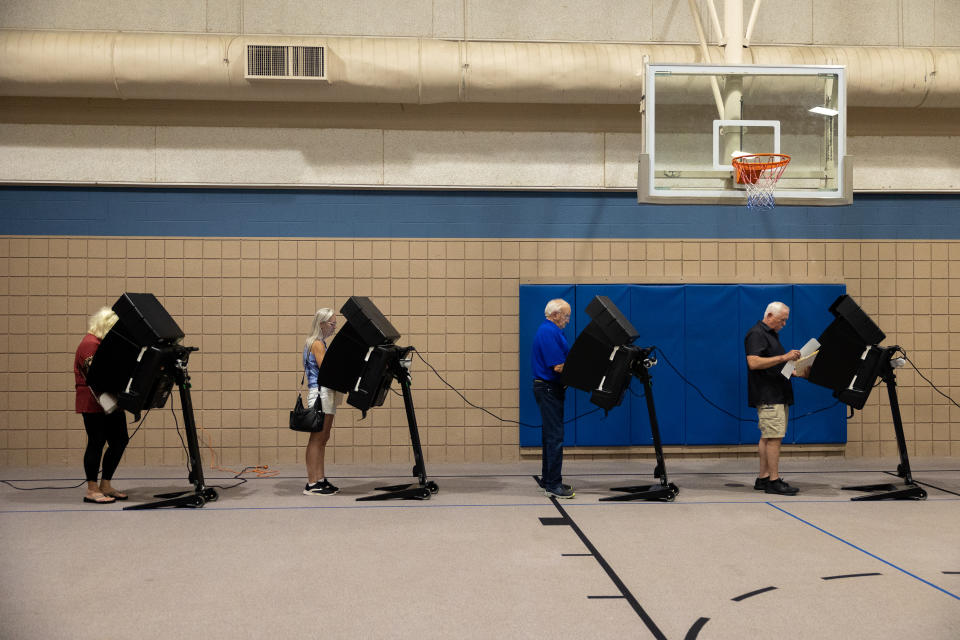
780, 487
329, 488
760, 484
320, 488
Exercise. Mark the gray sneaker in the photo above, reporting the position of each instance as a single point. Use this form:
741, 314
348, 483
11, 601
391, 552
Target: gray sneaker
564, 491
566, 487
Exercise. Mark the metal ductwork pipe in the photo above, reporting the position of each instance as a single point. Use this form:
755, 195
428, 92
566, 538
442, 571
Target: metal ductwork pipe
140, 66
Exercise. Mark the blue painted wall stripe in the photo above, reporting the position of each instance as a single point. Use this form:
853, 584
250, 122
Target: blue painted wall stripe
453, 214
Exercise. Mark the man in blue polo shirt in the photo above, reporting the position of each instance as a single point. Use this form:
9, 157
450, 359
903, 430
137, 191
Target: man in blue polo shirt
550, 349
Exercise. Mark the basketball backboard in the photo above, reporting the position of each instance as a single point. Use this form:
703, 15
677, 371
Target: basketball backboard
697, 117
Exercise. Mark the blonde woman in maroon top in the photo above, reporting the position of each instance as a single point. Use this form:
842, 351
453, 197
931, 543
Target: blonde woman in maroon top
102, 428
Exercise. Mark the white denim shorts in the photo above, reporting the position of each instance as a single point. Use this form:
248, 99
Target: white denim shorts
329, 399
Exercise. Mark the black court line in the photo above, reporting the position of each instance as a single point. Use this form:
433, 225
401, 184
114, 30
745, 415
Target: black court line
618, 583
890, 473
851, 575
752, 593
695, 629
952, 573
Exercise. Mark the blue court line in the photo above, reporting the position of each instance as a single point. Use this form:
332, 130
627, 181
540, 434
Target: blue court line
874, 556
414, 505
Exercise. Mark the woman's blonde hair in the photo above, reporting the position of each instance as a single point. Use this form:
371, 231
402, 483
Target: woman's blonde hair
101, 322
319, 318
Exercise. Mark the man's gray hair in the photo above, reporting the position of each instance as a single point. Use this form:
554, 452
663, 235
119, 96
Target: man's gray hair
776, 308
555, 305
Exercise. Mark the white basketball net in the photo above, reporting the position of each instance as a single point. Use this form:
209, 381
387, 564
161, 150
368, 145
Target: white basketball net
760, 193
760, 174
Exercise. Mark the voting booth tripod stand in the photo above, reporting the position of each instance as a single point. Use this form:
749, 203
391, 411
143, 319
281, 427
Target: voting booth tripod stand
398, 364
912, 491
666, 491
176, 364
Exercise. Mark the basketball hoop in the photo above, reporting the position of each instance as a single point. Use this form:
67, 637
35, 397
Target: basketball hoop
759, 172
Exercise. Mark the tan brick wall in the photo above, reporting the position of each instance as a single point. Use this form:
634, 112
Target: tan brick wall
248, 303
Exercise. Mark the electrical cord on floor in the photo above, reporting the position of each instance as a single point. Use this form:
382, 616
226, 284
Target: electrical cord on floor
74, 486
262, 471
10, 484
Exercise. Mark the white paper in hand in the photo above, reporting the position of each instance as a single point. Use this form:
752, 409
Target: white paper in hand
808, 350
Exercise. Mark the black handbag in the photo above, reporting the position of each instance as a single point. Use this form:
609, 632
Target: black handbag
307, 419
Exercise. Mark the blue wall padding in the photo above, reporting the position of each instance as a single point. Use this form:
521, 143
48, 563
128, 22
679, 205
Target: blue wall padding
700, 330
712, 354
654, 311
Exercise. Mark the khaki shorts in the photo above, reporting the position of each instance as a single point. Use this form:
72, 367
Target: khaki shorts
773, 420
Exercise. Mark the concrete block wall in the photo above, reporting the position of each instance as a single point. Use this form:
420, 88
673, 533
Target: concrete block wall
247, 304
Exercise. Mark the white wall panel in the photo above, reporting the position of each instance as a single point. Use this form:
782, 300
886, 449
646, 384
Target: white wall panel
104, 15
224, 16
621, 154
239, 155
829, 22
301, 17
392, 18
917, 21
493, 158
412, 18
81, 154
671, 21
597, 20
448, 19
782, 22
88, 154
946, 23
857, 22
905, 163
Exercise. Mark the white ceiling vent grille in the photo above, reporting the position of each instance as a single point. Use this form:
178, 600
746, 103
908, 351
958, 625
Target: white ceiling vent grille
273, 62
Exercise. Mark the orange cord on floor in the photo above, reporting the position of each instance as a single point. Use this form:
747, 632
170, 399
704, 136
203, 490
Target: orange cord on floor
262, 471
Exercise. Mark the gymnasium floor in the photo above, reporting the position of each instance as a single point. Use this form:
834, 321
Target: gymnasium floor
488, 556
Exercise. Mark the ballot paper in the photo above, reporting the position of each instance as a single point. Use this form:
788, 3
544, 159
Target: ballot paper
807, 354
